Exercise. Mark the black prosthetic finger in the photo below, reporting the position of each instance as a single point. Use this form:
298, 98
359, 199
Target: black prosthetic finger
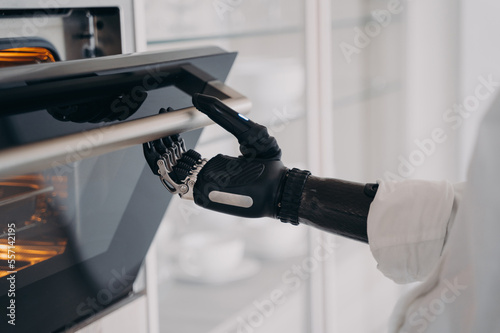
188, 160
167, 141
151, 156
159, 146
170, 140
174, 177
193, 154
185, 165
181, 170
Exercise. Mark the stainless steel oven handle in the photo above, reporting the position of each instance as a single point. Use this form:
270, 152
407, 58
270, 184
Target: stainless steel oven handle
56, 152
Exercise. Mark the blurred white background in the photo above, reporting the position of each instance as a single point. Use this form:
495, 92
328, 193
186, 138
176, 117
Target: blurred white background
351, 89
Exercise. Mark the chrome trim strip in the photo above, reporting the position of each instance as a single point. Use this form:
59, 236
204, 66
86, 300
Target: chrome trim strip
71, 148
231, 199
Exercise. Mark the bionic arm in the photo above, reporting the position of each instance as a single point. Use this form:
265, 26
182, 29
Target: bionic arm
257, 184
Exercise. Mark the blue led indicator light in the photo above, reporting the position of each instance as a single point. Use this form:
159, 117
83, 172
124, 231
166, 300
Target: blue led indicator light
243, 117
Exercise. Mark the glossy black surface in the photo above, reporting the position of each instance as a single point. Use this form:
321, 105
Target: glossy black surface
80, 81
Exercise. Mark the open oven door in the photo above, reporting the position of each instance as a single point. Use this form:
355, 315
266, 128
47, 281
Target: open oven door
78, 205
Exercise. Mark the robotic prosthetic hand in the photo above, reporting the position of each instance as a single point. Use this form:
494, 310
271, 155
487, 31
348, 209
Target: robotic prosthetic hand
256, 184
177, 168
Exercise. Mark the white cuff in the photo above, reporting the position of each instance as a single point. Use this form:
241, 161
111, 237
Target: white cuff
407, 225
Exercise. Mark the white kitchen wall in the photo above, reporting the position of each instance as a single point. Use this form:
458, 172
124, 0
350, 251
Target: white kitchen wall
369, 91
480, 57
432, 86
389, 95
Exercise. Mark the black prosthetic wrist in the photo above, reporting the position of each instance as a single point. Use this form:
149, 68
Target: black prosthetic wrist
291, 196
337, 206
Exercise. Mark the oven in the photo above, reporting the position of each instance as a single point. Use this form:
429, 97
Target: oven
78, 206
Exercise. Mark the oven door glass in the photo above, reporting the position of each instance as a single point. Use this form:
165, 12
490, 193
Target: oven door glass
69, 213
73, 237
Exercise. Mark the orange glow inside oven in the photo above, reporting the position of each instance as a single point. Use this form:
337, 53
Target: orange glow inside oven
28, 253
25, 56
29, 196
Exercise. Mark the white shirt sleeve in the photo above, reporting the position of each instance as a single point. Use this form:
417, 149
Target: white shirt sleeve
407, 227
